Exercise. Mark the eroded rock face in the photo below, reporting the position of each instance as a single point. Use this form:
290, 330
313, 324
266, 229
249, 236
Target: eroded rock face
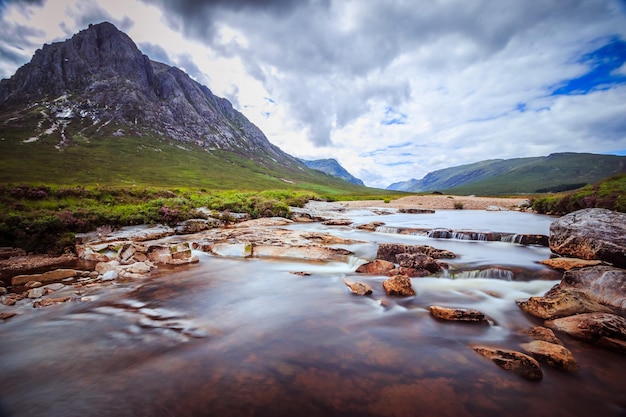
606, 284
399, 285
605, 329
561, 302
591, 234
511, 360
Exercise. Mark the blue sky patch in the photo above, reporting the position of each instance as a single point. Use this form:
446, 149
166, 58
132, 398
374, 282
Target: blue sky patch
393, 117
605, 64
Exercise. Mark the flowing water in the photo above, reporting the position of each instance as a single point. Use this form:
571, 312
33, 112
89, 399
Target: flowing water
248, 337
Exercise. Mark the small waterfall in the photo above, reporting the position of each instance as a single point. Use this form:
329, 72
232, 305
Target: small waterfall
387, 229
514, 238
492, 273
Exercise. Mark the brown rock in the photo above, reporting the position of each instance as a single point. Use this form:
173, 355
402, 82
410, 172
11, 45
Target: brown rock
399, 285
545, 334
50, 276
388, 251
411, 272
569, 263
418, 261
415, 211
458, 314
337, 222
591, 234
561, 302
553, 354
372, 226
511, 360
608, 330
358, 288
50, 301
376, 267
6, 316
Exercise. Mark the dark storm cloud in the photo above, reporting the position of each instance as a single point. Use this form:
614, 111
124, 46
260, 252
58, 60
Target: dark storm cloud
13, 39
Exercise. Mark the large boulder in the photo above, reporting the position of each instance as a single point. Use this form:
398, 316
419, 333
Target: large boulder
561, 302
608, 330
604, 283
591, 234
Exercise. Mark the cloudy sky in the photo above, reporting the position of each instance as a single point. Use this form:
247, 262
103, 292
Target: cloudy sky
392, 89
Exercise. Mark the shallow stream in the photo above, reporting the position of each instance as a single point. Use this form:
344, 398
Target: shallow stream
248, 337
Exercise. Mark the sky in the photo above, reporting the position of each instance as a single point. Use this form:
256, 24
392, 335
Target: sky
392, 89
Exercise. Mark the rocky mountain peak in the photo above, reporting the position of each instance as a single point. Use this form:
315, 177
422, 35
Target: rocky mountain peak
99, 83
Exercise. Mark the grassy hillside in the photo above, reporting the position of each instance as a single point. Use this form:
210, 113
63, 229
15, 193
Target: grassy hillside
609, 193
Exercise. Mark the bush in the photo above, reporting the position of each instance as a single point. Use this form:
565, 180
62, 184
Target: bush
458, 205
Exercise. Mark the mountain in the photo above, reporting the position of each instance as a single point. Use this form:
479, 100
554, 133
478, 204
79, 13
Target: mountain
555, 172
94, 109
334, 168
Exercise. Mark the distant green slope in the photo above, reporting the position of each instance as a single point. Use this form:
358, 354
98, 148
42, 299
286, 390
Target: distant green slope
556, 172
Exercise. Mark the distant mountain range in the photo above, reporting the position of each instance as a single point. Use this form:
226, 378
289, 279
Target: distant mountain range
94, 109
332, 167
555, 172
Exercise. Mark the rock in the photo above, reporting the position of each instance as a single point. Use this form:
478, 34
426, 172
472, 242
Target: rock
553, 354
301, 273
418, 261
591, 234
376, 267
36, 292
605, 284
264, 222
50, 276
337, 222
511, 360
458, 314
415, 211
306, 252
127, 252
358, 288
195, 226
561, 302
104, 267
33, 284
138, 268
399, 285
3, 290
372, 226
545, 334
50, 301
388, 251
239, 250
605, 329
569, 263
56, 286
6, 316
411, 272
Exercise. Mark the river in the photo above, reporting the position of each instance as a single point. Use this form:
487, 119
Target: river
248, 337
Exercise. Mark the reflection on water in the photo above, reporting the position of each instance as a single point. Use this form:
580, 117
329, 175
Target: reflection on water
248, 337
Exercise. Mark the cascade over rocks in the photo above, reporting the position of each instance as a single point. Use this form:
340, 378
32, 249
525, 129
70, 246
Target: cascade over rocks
591, 234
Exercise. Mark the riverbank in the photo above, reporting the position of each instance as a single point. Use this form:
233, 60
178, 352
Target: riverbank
443, 202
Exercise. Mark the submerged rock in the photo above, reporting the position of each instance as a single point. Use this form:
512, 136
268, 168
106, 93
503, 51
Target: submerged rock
591, 234
545, 334
399, 285
514, 361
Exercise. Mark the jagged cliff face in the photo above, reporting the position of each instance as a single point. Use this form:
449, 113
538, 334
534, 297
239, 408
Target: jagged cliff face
98, 81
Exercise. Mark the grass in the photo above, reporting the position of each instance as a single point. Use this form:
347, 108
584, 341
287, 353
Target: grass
609, 193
